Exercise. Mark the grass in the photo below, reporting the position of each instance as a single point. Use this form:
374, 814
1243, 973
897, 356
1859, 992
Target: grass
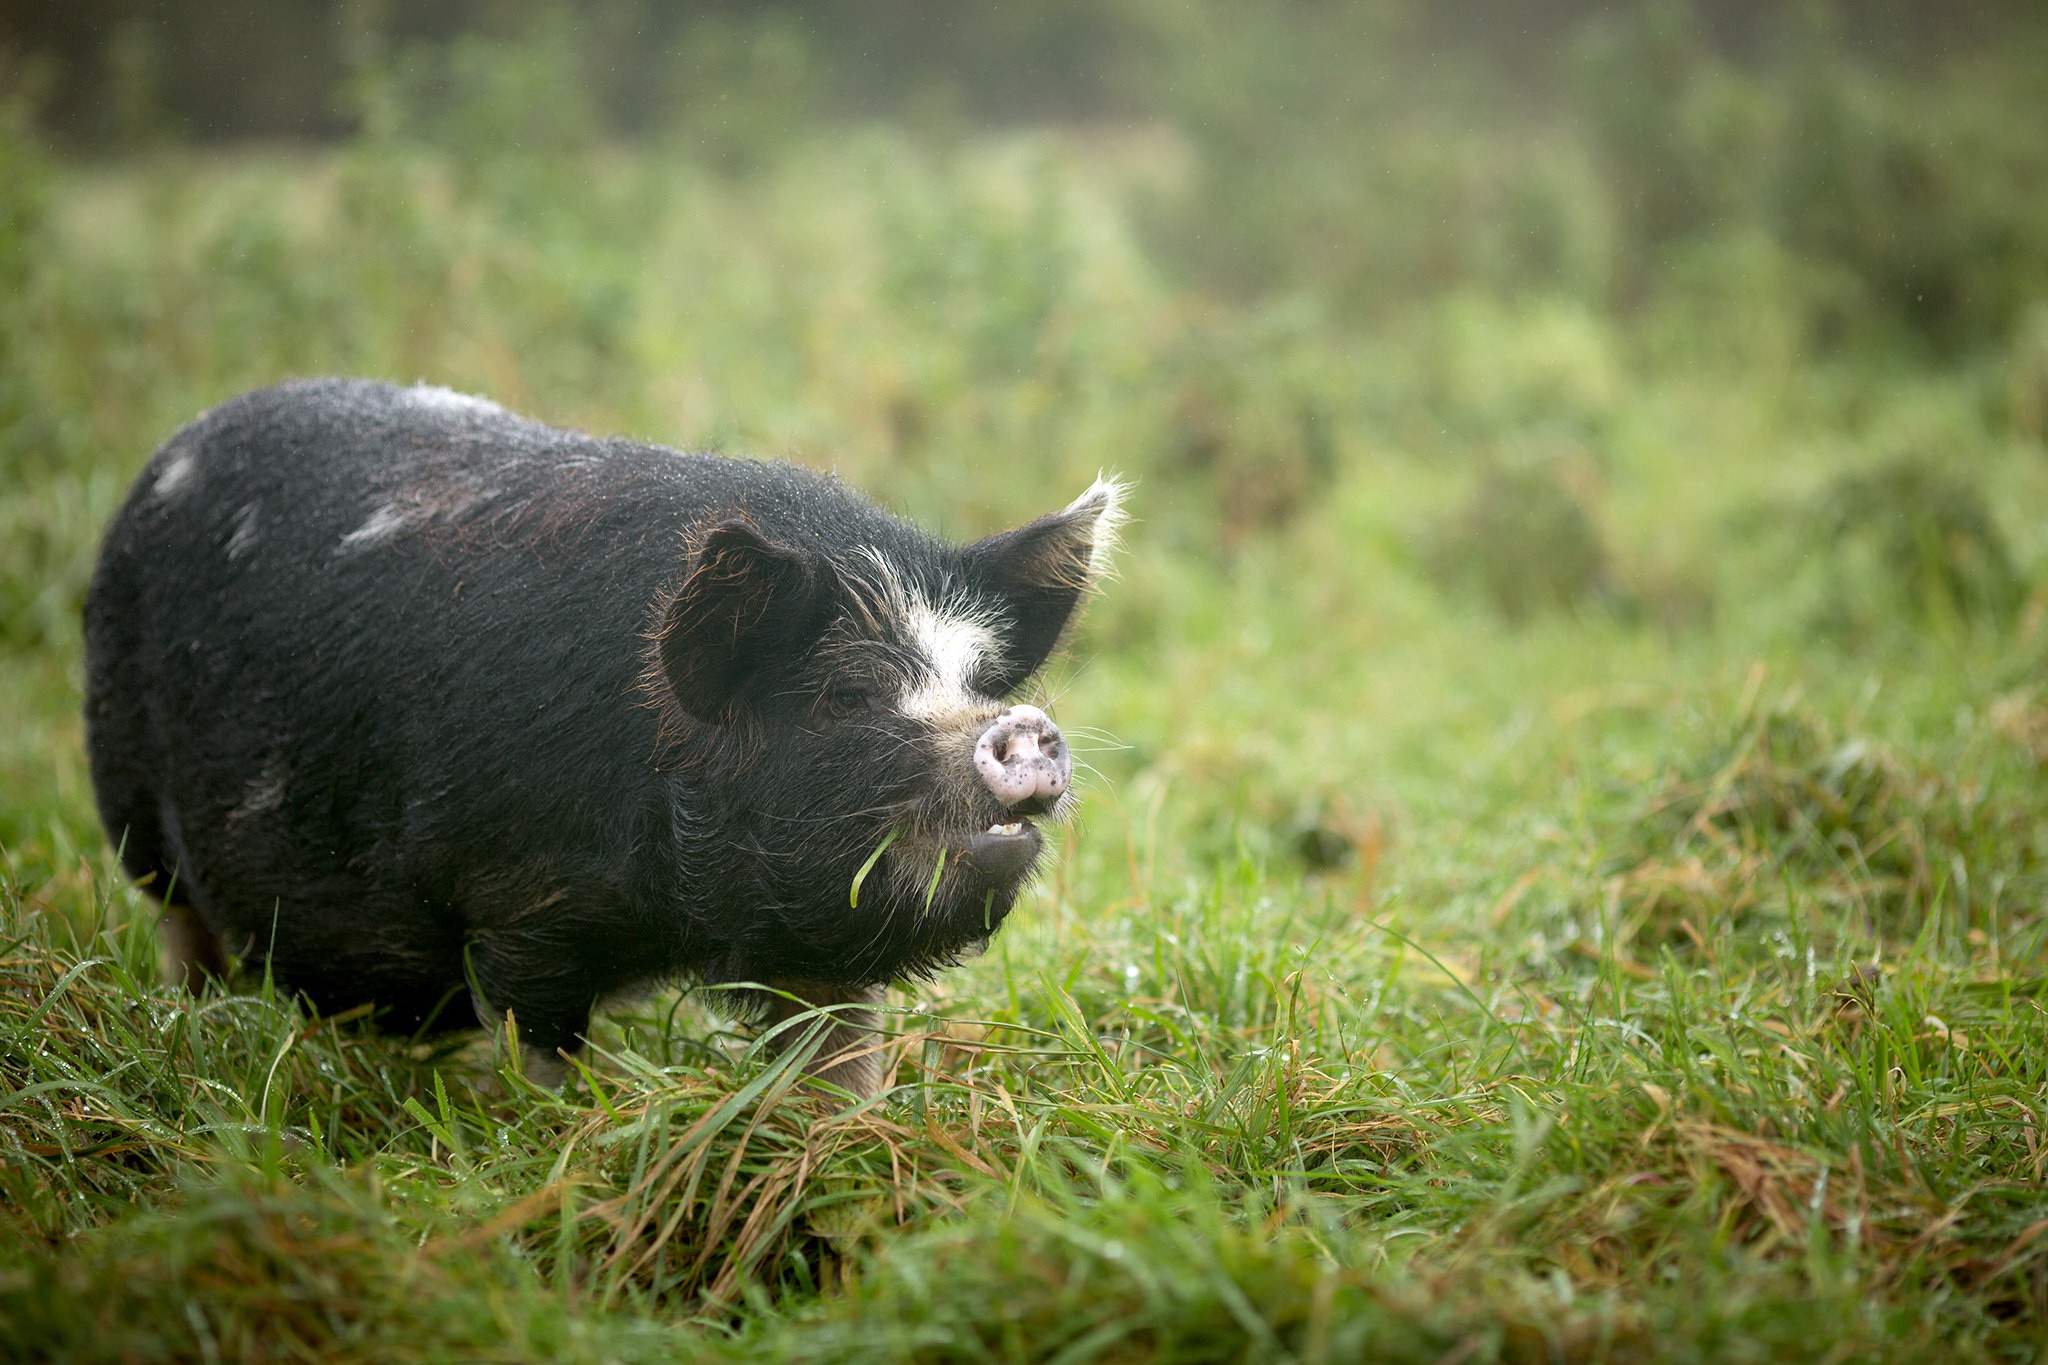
1539, 897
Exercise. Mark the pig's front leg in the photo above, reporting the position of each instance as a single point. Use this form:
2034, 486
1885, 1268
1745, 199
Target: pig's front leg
849, 1054
548, 999
192, 952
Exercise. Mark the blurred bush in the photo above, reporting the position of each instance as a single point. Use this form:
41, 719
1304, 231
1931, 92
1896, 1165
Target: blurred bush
1336, 155
22, 225
46, 537
1248, 436
1339, 152
2027, 375
1524, 542
1912, 537
1914, 195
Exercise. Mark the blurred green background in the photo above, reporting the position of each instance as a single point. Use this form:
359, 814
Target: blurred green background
1591, 495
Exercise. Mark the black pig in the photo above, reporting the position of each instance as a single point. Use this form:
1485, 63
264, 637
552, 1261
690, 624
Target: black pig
432, 707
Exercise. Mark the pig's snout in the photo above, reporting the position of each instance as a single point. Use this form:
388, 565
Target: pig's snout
1023, 758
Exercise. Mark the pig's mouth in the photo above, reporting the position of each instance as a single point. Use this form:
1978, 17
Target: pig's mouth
1003, 851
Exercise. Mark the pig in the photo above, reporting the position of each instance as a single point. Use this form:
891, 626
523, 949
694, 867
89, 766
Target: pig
425, 706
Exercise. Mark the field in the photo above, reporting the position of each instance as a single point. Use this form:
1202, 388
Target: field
1561, 872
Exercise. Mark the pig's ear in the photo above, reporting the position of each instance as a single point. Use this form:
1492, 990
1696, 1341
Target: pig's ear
1040, 572
748, 606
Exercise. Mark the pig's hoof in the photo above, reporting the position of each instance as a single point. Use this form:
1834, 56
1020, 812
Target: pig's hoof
192, 953
547, 1069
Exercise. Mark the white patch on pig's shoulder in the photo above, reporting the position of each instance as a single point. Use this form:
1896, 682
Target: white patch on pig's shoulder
265, 793
953, 645
244, 537
384, 523
176, 473
437, 399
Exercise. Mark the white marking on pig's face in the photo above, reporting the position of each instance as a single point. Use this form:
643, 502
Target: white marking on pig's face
437, 399
952, 642
384, 523
244, 538
176, 473
953, 646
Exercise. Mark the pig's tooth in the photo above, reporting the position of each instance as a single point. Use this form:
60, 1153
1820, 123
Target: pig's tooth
1013, 828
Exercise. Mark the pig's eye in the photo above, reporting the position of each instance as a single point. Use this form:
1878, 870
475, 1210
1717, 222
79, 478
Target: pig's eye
848, 701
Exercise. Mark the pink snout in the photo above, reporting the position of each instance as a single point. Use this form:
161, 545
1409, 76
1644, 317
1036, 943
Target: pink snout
1023, 758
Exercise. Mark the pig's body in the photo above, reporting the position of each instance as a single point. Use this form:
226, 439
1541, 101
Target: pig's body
450, 712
